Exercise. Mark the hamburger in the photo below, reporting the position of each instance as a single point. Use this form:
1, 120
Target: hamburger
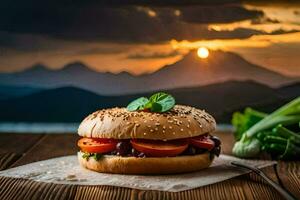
150, 136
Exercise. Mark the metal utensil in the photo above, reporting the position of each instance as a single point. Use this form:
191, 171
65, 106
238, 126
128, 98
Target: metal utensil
282, 191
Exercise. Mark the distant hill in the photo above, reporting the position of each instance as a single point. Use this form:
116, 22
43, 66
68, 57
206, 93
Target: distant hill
8, 91
190, 71
291, 90
69, 104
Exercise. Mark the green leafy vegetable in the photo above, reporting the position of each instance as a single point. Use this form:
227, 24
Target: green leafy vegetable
288, 134
292, 151
243, 121
246, 148
138, 104
159, 102
261, 132
281, 115
86, 156
96, 156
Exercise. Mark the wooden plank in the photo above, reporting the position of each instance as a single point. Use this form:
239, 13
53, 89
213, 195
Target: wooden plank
102, 192
7, 159
17, 143
14, 146
289, 174
50, 146
11, 189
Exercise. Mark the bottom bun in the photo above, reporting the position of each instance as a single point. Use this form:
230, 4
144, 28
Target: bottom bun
133, 165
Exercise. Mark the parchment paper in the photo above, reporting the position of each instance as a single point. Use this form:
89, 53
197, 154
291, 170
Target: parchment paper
66, 170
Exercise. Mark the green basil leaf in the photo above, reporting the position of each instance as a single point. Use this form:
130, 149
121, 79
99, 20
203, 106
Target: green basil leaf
138, 104
159, 102
166, 101
158, 97
156, 107
148, 105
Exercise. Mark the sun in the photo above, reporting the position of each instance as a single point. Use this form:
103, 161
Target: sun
203, 52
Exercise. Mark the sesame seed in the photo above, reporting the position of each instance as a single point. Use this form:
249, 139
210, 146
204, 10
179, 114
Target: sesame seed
173, 133
163, 131
181, 129
156, 129
164, 127
151, 130
170, 127
145, 133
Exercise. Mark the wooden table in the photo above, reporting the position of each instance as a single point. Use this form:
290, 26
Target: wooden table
20, 149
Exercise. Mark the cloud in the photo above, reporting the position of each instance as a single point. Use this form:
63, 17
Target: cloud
94, 22
218, 14
282, 31
101, 50
27, 42
27, 27
154, 55
264, 20
37, 43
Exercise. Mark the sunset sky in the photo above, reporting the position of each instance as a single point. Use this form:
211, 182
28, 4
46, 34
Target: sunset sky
143, 38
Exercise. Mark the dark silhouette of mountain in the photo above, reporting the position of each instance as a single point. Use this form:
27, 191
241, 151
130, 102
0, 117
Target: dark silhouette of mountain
69, 104
37, 68
8, 91
190, 71
291, 90
76, 67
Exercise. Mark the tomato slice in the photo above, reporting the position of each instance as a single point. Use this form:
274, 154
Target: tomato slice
203, 142
153, 148
97, 145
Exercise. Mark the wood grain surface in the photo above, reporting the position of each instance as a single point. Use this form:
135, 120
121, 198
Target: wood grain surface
20, 149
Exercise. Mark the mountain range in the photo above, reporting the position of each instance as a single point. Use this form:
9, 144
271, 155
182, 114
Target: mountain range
8, 91
221, 84
190, 71
70, 104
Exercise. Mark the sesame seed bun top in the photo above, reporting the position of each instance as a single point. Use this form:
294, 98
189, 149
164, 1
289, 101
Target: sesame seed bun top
119, 123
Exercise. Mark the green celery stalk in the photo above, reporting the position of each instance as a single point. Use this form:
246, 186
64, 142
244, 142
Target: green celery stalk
294, 137
290, 108
269, 139
292, 151
274, 148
